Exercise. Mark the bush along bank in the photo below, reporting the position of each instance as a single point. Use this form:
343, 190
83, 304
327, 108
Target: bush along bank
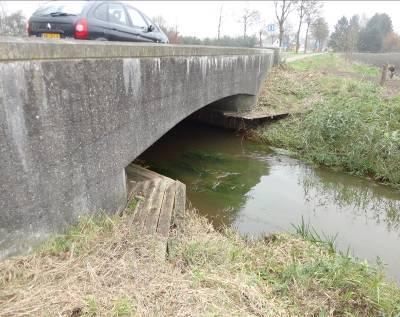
352, 123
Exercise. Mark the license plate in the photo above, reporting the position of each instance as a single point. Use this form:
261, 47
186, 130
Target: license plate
51, 35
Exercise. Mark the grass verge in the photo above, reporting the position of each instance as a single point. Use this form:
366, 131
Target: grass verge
101, 267
350, 124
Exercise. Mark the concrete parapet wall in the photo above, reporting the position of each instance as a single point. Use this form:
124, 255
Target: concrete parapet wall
72, 120
33, 48
277, 54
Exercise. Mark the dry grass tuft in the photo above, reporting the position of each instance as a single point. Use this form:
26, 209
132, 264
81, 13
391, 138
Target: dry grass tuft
284, 92
102, 267
116, 272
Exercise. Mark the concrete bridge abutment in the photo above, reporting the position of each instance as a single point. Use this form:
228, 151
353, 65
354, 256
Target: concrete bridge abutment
74, 114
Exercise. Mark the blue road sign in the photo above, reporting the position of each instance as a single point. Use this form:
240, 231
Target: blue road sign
271, 27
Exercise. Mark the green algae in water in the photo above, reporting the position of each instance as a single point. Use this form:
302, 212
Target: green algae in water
222, 179
247, 185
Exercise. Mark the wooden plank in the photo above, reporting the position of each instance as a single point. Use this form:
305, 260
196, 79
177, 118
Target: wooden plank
138, 171
141, 189
133, 188
131, 173
130, 186
180, 204
137, 188
254, 115
165, 219
144, 171
139, 192
141, 214
150, 225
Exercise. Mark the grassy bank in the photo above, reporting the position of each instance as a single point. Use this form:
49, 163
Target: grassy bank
103, 268
347, 120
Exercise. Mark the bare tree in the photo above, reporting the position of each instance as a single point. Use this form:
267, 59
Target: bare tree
289, 36
320, 32
301, 10
271, 36
161, 22
282, 10
312, 10
261, 32
352, 35
11, 24
248, 18
220, 22
2, 9
170, 31
173, 34
363, 20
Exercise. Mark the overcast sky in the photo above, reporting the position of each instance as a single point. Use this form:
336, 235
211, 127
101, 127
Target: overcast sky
200, 18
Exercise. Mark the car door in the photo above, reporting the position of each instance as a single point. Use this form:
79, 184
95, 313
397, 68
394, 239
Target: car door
98, 22
119, 28
139, 25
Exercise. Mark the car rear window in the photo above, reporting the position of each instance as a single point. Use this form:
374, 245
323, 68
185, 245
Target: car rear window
65, 7
101, 12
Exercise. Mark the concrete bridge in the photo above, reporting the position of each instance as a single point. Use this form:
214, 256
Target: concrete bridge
74, 114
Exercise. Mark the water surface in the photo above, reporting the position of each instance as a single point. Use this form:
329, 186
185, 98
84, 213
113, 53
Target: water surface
249, 186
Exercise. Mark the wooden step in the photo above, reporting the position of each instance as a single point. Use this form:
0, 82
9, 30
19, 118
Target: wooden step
179, 205
142, 212
143, 173
161, 204
164, 221
151, 221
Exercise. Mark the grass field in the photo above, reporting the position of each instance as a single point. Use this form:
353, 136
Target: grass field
348, 121
101, 267
378, 59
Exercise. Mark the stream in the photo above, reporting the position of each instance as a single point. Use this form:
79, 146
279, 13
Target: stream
258, 190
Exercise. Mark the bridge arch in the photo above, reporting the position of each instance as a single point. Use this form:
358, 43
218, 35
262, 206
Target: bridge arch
74, 115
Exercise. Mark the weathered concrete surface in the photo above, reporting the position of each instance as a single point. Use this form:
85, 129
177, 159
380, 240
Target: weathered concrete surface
72, 120
277, 54
36, 48
239, 121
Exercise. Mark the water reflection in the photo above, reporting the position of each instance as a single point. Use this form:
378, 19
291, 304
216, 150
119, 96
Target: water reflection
365, 216
250, 187
366, 199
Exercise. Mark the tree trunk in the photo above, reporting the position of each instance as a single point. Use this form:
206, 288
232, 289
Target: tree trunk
298, 38
219, 23
280, 34
244, 28
306, 42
